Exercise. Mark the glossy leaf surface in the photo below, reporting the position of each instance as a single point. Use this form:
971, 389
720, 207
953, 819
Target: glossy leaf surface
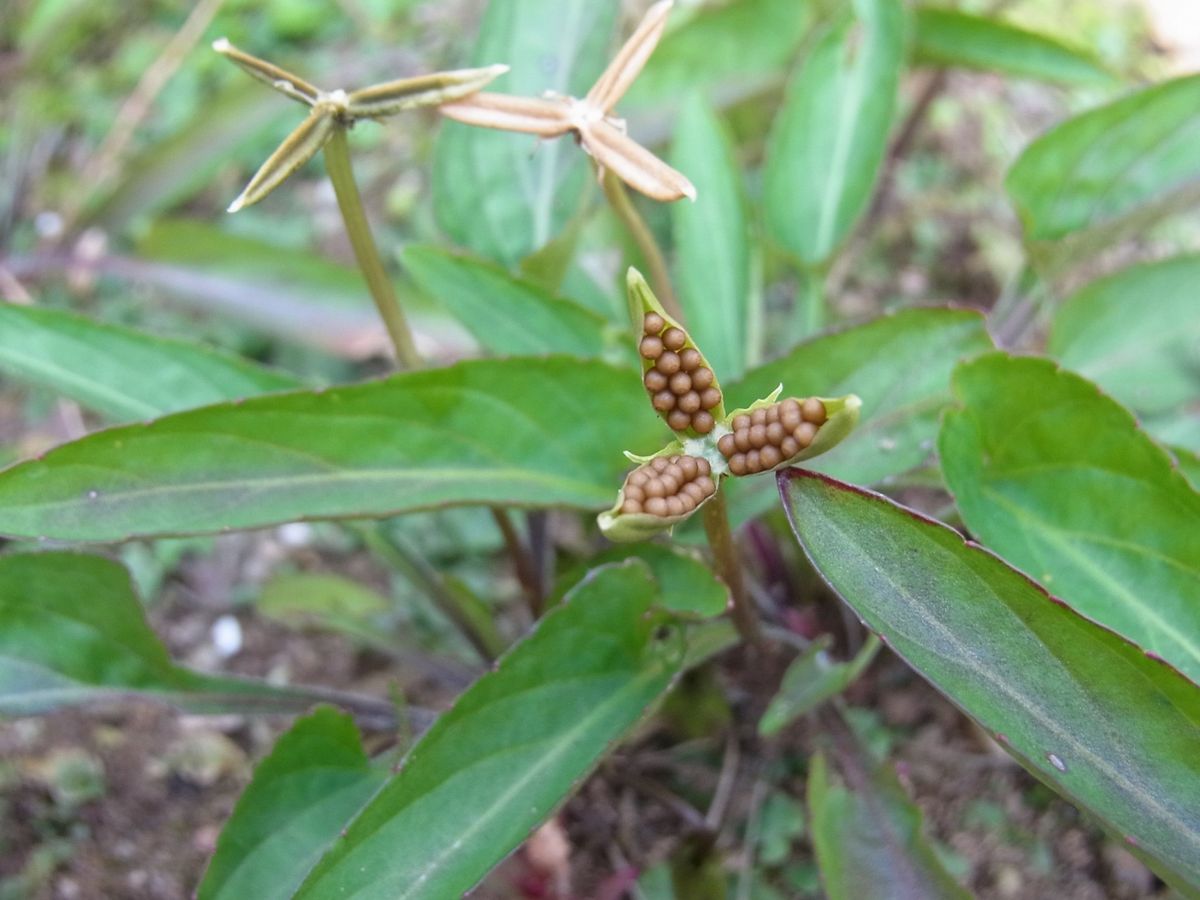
121, 373
1060, 481
830, 137
512, 747
1079, 706
529, 432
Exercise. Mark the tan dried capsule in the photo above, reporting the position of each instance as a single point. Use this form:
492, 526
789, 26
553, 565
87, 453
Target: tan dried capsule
703, 377
680, 383
678, 420
653, 323
690, 402
727, 445
656, 381
775, 432
758, 434
656, 506
663, 401
710, 398
703, 422
804, 434
668, 363
631, 507
690, 359
737, 464
674, 338
814, 411
770, 457
651, 347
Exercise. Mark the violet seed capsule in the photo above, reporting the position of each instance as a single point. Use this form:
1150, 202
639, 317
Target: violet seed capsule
691, 359
703, 422
653, 323
690, 402
650, 347
678, 420
668, 362
656, 381
680, 383
674, 338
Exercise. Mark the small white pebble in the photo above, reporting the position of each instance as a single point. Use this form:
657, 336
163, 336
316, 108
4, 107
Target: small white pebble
227, 636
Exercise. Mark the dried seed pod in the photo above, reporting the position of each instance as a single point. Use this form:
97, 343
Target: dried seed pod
771, 434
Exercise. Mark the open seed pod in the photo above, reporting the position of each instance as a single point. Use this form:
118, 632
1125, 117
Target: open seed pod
661, 492
771, 433
682, 386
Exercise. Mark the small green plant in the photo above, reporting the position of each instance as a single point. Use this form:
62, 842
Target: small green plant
1004, 500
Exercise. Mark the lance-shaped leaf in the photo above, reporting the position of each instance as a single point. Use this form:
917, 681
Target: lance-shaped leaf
1087, 712
297, 148
1060, 480
392, 97
810, 680
529, 432
269, 74
512, 747
868, 838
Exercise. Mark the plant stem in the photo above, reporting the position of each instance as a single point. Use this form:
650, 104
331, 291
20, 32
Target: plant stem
660, 277
527, 572
337, 162
716, 526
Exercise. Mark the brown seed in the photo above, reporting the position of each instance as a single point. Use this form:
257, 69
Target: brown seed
659, 464
651, 347
638, 477
703, 422
681, 383
707, 485
629, 507
804, 434
753, 461
770, 457
674, 338
668, 363
741, 439
656, 381
775, 434
675, 506
737, 464
678, 420
634, 492
788, 447
663, 401
656, 506
742, 422
758, 417
710, 398
690, 402
654, 488
773, 413
790, 418
688, 501
693, 490
727, 445
653, 323
789, 406
758, 436
689, 467
691, 359
670, 484
702, 377
814, 411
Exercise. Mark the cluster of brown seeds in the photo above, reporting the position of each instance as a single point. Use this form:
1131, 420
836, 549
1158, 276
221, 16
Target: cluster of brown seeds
763, 439
680, 385
668, 486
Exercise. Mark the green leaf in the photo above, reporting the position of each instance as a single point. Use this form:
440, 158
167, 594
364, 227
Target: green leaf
1189, 465
506, 315
1107, 162
949, 37
810, 680
829, 139
505, 195
1136, 335
520, 431
121, 373
708, 51
1079, 706
315, 779
512, 747
898, 364
712, 262
1059, 479
73, 631
688, 586
868, 840
309, 599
